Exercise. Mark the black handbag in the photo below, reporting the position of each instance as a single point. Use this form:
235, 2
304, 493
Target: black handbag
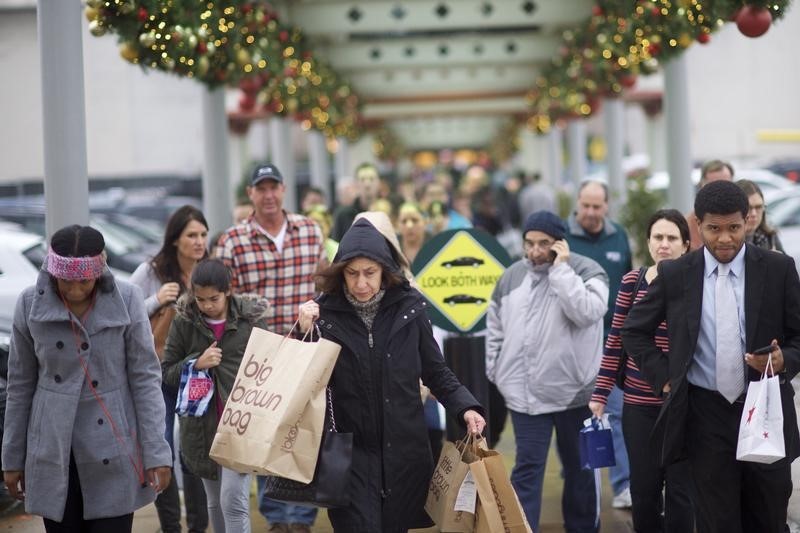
623, 363
329, 487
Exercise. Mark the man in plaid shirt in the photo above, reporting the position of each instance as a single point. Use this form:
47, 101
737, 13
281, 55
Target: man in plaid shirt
275, 254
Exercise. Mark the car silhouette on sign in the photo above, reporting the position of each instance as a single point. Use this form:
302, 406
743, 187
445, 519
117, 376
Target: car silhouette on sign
464, 299
463, 262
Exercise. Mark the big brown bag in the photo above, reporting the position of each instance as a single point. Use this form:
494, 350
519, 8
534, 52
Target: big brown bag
498, 505
446, 482
273, 418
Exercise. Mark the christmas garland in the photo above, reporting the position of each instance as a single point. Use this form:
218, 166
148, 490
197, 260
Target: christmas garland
232, 43
625, 38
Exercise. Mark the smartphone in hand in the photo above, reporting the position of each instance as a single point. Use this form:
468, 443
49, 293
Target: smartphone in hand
765, 350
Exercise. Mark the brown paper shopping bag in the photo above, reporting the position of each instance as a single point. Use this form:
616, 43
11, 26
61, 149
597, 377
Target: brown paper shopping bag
498, 507
450, 512
273, 419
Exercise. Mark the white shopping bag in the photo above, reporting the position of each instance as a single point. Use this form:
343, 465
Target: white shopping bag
761, 427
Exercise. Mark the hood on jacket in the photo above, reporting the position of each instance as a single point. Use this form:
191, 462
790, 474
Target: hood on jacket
251, 307
364, 240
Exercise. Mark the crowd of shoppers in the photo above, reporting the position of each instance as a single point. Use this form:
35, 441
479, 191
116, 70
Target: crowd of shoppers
573, 331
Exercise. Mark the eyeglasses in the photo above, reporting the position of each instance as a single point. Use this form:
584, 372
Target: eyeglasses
756, 208
544, 244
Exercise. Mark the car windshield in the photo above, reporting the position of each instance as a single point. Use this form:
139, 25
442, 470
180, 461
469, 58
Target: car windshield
119, 240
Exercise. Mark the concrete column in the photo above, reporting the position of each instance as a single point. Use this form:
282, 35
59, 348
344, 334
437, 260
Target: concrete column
657, 141
530, 155
282, 155
553, 157
341, 159
217, 197
613, 115
676, 111
576, 147
66, 180
319, 161
239, 161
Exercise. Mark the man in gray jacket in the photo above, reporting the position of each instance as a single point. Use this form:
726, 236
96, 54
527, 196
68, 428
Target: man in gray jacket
543, 350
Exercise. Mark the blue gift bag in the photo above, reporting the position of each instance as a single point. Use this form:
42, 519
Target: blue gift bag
596, 445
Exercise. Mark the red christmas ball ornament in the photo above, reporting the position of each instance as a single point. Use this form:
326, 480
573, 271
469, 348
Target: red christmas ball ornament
247, 102
627, 81
597, 11
656, 11
283, 36
247, 8
753, 21
290, 72
142, 14
202, 48
654, 49
703, 38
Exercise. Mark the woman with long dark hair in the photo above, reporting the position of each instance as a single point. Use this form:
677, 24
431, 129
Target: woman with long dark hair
661, 496
757, 230
84, 430
163, 280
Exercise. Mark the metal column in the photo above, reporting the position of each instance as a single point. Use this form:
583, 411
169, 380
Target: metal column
282, 155
613, 113
676, 112
66, 181
320, 164
217, 198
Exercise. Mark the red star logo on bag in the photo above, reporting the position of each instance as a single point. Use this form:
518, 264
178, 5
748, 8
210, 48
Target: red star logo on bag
766, 434
750, 414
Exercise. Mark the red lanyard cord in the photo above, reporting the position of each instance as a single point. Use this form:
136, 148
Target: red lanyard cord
138, 467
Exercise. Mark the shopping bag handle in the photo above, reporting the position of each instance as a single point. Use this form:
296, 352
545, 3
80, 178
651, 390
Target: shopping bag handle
768, 370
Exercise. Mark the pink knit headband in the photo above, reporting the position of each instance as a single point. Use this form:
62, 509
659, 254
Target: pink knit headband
75, 268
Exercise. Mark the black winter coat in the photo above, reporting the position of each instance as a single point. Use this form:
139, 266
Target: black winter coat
376, 396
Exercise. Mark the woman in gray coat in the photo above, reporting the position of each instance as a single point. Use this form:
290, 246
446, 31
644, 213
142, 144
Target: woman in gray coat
84, 431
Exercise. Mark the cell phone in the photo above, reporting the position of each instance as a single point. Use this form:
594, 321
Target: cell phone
765, 350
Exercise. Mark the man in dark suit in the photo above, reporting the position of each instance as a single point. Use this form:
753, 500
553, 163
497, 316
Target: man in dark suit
704, 375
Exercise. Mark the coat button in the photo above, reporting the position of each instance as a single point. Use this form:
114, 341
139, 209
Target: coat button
413, 311
405, 317
105, 461
41, 291
389, 356
328, 326
57, 378
94, 383
85, 346
100, 421
386, 400
388, 444
59, 345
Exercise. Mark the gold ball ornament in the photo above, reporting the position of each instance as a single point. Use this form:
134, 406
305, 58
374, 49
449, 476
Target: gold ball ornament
192, 41
129, 52
126, 7
96, 28
242, 57
92, 13
95, 4
147, 39
685, 40
202, 66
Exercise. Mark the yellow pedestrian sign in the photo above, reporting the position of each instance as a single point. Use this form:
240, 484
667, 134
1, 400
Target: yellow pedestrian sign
457, 271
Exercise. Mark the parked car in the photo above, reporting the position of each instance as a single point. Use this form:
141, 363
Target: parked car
21, 256
126, 248
768, 181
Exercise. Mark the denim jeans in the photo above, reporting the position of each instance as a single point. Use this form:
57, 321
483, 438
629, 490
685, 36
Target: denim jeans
532, 433
283, 513
620, 474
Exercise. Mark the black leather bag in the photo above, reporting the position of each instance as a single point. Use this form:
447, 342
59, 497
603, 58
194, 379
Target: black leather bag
329, 487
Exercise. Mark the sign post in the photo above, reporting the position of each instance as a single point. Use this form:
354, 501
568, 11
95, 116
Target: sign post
457, 271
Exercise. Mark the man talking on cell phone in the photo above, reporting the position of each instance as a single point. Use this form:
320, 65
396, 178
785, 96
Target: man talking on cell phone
722, 302
543, 349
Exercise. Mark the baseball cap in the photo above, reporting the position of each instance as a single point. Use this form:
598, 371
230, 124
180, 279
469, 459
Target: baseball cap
266, 172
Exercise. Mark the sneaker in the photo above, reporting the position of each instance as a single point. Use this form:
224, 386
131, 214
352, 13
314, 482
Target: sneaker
622, 500
278, 528
299, 528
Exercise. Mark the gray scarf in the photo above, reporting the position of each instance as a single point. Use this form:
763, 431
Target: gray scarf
366, 310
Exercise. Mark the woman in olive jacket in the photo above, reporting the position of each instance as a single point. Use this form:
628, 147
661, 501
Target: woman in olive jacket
210, 331
380, 322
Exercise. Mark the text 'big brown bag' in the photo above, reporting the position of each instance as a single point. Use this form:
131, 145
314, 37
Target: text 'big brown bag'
273, 418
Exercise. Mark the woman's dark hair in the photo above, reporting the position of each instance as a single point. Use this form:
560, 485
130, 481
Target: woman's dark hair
674, 216
81, 241
165, 262
720, 198
212, 273
750, 188
330, 280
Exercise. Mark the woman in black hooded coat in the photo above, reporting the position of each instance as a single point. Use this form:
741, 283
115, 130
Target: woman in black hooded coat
387, 343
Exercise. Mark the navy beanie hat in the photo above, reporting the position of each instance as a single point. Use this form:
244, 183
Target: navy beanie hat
546, 222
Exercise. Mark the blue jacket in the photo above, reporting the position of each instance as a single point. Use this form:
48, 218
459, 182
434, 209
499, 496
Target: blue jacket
610, 248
